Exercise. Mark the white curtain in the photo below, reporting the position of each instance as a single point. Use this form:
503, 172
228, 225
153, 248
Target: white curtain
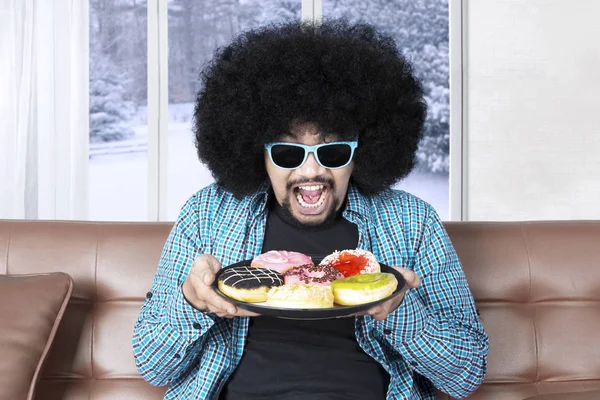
44, 52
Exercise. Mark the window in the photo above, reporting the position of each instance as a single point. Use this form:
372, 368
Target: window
118, 171
120, 168
196, 29
420, 28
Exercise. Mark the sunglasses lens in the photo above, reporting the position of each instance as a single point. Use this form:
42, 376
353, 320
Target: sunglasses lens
286, 156
335, 155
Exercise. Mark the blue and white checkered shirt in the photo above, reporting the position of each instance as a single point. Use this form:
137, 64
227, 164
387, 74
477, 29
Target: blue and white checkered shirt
435, 334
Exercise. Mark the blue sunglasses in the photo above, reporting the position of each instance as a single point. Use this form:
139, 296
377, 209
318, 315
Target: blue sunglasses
329, 155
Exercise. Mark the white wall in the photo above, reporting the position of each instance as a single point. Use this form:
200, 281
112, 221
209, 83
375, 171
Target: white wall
532, 109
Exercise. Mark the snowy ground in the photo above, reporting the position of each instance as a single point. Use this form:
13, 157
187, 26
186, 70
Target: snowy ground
118, 182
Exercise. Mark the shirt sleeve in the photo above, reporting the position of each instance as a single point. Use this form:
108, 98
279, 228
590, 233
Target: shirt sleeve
169, 333
437, 329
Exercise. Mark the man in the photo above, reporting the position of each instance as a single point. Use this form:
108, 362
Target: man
304, 128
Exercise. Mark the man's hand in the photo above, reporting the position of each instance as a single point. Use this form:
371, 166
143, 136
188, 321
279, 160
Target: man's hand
198, 291
381, 311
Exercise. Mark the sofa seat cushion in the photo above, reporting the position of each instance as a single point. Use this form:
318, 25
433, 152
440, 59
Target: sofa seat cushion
31, 307
590, 395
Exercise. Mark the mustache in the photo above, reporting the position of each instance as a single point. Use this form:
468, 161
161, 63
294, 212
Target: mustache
317, 179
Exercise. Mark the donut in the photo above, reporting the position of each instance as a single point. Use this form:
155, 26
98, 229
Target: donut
352, 262
363, 288
280, 260
311, 274
248, 284
300, 296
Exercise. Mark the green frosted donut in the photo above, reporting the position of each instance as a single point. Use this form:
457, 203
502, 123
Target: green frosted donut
363, 288
364, 281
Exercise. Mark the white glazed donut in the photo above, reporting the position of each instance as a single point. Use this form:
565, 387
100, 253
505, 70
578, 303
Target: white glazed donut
300, 296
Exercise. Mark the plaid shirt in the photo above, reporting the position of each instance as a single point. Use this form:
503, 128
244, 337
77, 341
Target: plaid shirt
434, 338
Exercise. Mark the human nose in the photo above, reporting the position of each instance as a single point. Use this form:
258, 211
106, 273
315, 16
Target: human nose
311, 167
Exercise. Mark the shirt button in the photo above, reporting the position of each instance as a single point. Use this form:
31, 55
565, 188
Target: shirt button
196, 325
149, 295
387, 331
177, 356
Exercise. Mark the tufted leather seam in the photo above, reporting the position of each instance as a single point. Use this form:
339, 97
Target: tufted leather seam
535, 333
94, 302
10, 231
536, 383
75, 381
479, 302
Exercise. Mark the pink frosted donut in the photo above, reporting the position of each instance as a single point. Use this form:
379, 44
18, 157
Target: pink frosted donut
352, 262
311, 274
280, 260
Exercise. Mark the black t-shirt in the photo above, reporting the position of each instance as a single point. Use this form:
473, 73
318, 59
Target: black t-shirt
305, 359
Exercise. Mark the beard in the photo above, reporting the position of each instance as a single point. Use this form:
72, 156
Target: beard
331, 214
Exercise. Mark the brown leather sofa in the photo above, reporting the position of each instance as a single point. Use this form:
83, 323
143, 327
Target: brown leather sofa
537, 286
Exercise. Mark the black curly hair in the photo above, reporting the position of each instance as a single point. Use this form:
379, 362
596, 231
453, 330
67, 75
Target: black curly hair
350, 80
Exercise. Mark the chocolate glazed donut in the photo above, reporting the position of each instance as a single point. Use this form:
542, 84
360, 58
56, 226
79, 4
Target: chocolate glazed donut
248, 284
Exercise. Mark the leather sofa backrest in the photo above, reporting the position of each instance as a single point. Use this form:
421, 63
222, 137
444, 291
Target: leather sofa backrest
112, 265
537, 286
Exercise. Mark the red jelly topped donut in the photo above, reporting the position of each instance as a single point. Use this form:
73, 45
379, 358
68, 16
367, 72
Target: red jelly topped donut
311, 274
352, 262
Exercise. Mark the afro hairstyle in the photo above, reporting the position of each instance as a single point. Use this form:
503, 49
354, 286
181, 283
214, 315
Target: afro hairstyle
349, 80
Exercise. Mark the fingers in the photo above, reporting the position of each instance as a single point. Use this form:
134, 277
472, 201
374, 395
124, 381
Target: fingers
226, 313
202, 276
213, 263
381, 311
222, 314
215, 303
206, 266
378, 313
245, 313
411, 278
240, 312
207, 276
206, 294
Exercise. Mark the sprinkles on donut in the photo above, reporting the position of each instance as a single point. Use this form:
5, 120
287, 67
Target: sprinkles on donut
311, 274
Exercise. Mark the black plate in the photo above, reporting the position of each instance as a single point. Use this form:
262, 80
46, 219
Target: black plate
307, 313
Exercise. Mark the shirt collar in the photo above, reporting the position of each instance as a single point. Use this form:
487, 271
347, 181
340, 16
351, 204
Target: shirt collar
357, 203
259, 199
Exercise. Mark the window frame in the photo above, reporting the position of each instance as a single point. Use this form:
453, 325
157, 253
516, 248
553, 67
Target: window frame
458, 139
158, 106
158, 110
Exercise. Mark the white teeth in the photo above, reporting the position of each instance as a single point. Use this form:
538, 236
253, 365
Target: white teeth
314, 187
307, 205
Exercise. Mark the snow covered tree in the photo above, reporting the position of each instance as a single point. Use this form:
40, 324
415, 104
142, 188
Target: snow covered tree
420, 28
198, 28
109, 111
279, 10
118, 29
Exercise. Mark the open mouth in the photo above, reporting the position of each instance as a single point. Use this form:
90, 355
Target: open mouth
311, 198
